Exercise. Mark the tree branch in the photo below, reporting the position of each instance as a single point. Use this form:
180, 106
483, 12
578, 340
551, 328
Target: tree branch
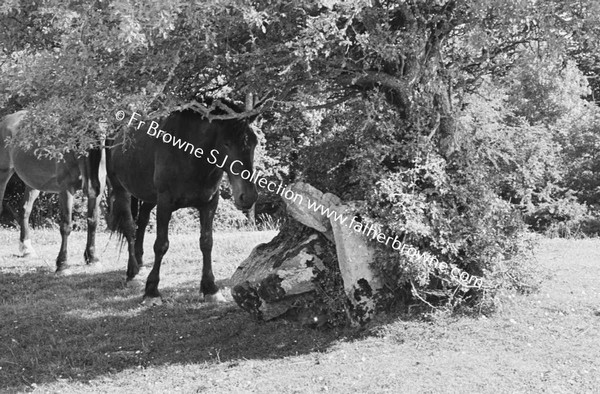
327, 105
397, 90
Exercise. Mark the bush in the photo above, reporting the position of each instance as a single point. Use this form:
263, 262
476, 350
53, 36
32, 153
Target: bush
228, 217
563, 218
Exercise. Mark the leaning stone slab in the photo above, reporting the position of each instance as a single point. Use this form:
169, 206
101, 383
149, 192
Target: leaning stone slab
271, 280
355, 256
298, 208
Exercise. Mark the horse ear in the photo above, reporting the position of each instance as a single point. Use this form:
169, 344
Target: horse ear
251, 104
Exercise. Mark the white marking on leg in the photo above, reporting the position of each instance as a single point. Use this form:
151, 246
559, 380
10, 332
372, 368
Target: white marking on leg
152, 301
215, 298
26, 249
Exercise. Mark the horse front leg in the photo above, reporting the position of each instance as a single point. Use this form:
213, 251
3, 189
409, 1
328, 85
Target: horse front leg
66, 224
29, 198
207, 284
161, 245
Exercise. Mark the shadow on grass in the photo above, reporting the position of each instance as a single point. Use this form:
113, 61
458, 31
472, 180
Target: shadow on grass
85, 326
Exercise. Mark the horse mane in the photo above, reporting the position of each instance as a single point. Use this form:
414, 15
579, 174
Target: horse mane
217, 110
208, 101
241, 132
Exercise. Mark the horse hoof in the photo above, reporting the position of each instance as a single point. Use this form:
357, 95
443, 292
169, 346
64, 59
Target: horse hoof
94, 263
152, 301
95, 266
143, 272
26, 250
64, 272
135, 283
214, 298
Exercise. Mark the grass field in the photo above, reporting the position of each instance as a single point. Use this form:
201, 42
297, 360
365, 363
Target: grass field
88, 333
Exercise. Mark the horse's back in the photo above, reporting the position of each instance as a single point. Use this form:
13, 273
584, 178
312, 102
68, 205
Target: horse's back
43, 174
9, 127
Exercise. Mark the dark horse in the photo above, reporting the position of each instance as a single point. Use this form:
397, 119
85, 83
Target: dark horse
64, 177
176, 164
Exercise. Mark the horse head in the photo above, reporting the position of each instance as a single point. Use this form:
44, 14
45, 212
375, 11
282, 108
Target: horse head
237, 143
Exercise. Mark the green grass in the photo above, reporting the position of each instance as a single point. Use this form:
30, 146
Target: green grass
88, 333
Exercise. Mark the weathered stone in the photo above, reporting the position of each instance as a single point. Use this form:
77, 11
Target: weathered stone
268, 283
355, 256
302, 273
331, 200
297, 207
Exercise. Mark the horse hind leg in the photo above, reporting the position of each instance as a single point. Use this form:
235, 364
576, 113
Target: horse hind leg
29, 197
66, 224
120, 220
5, 174
142, 222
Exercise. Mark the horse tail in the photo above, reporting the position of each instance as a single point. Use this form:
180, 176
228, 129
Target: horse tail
119, 217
